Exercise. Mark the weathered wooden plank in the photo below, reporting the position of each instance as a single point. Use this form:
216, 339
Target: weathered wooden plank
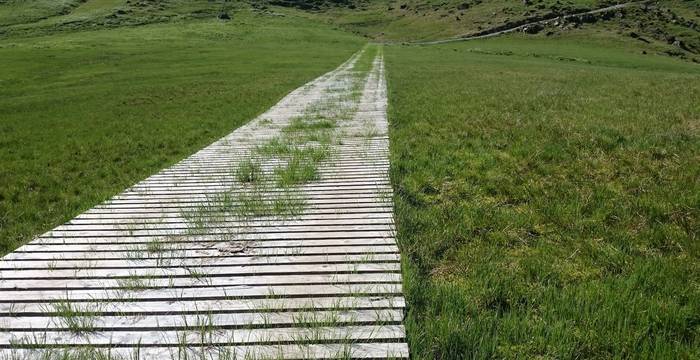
328, 173
354, 350
203, 272
151, 283
368, 202
308, 211
341, 334
210, 234
223, 185
371, 195
225, 250
337, 176
200, 244
229, 169
341, 160
179, 208
307, 318
145, 213
226, 223
210, 196
214, 235
146, 259
177, 219
210, 292
223, 305
215, 306
226, 183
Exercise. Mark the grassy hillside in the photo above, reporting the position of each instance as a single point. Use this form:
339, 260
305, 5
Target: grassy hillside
48, 16
408, 20
672, 27
547, 198
86, 113
26, 11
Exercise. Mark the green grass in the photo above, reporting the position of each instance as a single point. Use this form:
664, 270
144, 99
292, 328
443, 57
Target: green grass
275, 147
33, 17
302, 130
547, 199
302, 159
249, 171
155, 246
288, 203
133, 283
23, 11
298, 170
74, 318
252, 204
86, 114
258, 203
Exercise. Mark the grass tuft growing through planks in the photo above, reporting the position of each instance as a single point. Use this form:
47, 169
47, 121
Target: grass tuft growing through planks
135, 283
276, 147
289, 203
298, 170
257, 202
249, 171
251, 204
309, 124
74, 317
155, 246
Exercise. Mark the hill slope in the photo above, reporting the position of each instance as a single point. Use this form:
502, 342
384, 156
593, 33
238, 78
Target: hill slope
671, 27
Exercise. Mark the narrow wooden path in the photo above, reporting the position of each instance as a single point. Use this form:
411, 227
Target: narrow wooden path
199, 262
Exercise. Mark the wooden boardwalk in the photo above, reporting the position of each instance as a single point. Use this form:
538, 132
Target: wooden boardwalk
190, 264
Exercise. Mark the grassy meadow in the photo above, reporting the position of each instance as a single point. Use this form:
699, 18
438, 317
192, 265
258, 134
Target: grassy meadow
547, 199
85, 114
546, 186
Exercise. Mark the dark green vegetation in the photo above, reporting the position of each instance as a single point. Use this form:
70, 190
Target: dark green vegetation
85, 114
547, 198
